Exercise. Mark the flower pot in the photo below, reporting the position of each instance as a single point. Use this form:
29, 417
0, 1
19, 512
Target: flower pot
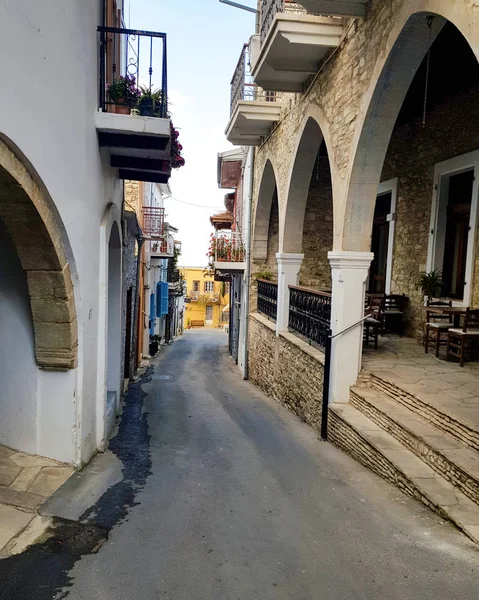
153, 348
122, 109
146, 107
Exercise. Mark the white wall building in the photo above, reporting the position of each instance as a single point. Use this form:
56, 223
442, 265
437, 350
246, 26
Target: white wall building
63, 155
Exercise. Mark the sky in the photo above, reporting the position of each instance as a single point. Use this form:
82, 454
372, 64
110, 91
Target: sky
205, 39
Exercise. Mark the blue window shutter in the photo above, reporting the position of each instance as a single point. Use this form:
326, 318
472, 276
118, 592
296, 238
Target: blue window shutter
164, 298
152, 314
159, 299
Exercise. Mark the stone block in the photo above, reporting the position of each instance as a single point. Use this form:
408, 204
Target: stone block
49, 480
50, 310
12, 522
50, 284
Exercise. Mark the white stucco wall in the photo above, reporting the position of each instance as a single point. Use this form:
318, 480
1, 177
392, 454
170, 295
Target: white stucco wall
54, 50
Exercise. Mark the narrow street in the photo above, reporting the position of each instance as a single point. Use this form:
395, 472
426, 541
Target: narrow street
227, 496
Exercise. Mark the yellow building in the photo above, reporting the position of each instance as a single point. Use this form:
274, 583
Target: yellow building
207, 300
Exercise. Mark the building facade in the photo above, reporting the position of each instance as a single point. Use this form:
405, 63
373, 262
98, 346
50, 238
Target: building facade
63, 159
363, 118
207, 302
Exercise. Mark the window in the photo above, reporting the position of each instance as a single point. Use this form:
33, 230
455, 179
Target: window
196, 286
209, 286
453, 217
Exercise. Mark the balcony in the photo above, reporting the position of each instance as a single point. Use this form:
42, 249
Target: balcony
253, 110
153, 223
338, 8
162, 248
292, 44
132, 121
204, 297
229, 253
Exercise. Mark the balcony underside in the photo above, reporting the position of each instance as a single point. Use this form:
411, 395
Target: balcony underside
293, 49
139, 146
229, 268
162, 254
250, 121
344, 8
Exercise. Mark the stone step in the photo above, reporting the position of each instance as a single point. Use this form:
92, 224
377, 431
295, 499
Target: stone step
455, 461
464, 432
378, 450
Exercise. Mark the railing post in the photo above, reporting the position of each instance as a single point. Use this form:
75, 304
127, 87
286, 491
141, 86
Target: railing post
288, 273
349, 274
326, 380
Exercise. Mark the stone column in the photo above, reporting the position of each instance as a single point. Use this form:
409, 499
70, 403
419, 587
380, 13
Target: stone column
288, 273
349, 274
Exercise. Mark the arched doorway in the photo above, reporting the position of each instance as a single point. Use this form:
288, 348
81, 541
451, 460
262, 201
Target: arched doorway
114, 332
415, 142
266, 221
38, 331
308, 218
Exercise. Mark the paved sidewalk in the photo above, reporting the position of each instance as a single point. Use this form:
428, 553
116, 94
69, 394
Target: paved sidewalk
25, 483
450, 388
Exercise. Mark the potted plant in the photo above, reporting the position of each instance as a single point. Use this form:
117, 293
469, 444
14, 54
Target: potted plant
124, 94
430, 283
188, 324
266, 275
154, 344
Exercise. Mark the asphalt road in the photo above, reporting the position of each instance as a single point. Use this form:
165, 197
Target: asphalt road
236, 500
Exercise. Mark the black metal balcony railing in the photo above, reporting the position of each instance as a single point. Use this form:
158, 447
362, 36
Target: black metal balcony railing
269, 8
242, 85
267, 298
310, 314
138, 58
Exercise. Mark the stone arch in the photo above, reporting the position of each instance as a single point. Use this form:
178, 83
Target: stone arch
408, 44
309, 143
27, 213
267, 189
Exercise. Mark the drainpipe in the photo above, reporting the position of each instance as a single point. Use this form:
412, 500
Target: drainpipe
248, 266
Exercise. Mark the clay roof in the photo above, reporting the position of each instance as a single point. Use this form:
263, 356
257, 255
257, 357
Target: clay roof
222, 220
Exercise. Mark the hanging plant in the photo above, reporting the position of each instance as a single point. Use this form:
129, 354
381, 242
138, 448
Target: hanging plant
176, 159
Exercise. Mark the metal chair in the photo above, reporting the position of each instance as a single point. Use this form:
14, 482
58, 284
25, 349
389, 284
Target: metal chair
437, 324
462, 341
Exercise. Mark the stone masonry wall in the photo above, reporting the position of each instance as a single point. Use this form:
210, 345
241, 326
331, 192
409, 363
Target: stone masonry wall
318, 229
451, 129
334, 98
287, 369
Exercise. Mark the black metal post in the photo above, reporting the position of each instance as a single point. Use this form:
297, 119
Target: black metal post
326, 378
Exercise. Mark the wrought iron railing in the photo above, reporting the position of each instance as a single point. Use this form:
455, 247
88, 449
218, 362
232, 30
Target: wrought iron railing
154, 222
269, 9
267, 298
229, 247
310, 314
242, 85
136, 60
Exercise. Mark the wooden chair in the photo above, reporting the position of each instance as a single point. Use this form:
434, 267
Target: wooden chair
373, 324
462, 341
437, 324
393, 313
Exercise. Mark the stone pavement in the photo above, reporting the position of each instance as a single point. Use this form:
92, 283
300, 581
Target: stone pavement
25, 483
444, 385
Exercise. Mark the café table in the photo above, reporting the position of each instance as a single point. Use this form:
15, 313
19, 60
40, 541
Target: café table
456, 312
